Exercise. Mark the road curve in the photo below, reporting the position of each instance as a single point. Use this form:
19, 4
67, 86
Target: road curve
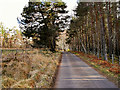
74, 73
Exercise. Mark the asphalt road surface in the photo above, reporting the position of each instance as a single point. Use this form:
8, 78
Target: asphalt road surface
74, 73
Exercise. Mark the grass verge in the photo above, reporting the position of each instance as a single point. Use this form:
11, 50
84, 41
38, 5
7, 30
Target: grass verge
33, 69
56, 72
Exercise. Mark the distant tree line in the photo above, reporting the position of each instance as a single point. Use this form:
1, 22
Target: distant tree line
12, 38
95, 28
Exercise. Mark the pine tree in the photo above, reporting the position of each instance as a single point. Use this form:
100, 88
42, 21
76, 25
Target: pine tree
43, 21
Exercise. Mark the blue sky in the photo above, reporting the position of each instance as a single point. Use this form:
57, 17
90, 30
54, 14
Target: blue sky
11, 9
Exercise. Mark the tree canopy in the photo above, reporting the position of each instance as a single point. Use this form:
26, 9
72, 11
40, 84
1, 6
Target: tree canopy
43, 21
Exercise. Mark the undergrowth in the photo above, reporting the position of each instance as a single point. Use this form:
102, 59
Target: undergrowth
31, 69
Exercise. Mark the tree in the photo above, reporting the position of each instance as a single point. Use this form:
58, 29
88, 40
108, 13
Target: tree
10, 38
43, 21
97, 27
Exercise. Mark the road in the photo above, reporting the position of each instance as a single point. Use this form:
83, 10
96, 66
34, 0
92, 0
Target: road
74, 73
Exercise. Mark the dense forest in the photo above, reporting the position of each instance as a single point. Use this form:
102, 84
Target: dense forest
95, 28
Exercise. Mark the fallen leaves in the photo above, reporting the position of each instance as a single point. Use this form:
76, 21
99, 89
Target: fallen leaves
114, 68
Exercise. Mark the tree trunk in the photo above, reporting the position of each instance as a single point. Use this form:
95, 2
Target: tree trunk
103, 44
96, 29
109, 24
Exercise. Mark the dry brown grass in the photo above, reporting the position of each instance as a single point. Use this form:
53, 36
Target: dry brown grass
30, 70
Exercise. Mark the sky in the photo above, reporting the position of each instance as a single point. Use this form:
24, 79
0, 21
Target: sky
11, 9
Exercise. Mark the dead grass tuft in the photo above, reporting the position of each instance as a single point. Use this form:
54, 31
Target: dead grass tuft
29, 70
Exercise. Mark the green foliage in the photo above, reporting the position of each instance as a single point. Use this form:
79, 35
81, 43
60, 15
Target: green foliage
43, 21
82, 9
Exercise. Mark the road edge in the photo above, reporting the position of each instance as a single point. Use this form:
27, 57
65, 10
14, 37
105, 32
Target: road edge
101, 73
